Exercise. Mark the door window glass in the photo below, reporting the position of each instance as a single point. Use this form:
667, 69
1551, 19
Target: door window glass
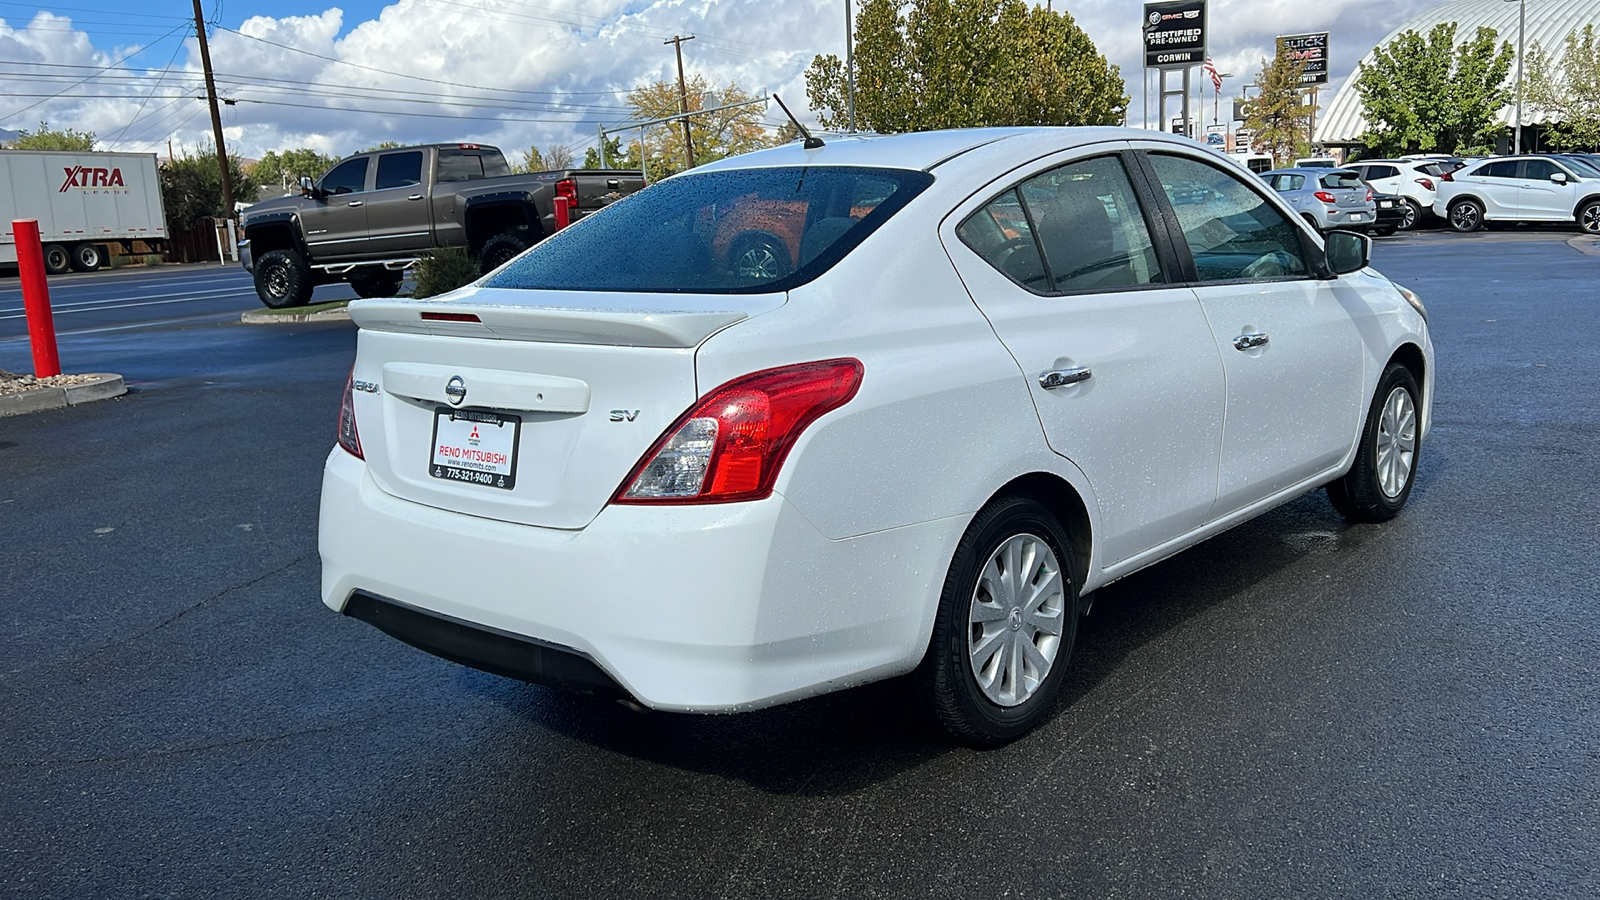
1539, 169
347, 177
1002, 235
1232, 232
399, 169
1504, 168
1090, 227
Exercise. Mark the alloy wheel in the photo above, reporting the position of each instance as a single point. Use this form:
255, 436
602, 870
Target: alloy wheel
1464, 217
1397, 442
1589, 219
759, 262
1016, 619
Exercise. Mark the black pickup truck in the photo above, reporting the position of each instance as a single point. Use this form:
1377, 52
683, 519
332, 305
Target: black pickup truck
373, 215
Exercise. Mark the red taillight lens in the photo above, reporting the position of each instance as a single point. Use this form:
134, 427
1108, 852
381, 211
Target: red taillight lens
1369, 195
450, 317
1446, 176
1426, 182
349, 439
568, 188
1325, 197
731, 445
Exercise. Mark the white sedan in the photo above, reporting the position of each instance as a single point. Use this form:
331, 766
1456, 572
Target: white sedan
808, 418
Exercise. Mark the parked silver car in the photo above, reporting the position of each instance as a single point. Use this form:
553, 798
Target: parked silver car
1327, 198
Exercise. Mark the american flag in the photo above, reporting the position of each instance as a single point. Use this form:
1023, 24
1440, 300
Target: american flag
1212, 73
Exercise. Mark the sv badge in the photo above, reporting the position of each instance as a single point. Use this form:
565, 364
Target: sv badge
624, 415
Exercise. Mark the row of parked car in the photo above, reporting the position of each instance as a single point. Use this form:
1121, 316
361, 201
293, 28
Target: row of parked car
1385, 195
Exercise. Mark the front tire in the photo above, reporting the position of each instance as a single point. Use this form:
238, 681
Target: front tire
1413, 215
283, 279
1007, 619
87, 257
1466, 216
1380, 479
1589, 217
57, 261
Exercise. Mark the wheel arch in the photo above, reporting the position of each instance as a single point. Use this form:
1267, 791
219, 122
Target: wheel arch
1411, 356
486, 218
1064, 501
275, 235
1578, 207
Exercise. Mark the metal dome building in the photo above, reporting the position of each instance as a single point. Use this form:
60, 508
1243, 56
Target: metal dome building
1548, 23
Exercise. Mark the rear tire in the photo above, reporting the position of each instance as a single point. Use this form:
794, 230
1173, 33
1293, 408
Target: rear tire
1589, 217
1466, 216
57, 261
283, 279
1003, 633
499, 250
1385, 468
1413, 215
87, 257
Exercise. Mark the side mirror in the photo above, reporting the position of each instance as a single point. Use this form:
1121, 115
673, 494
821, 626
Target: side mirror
1347, 251
1558, 177
307, 187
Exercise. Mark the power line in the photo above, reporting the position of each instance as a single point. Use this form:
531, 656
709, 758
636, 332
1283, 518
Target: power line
107, 12
118, 62
146, 101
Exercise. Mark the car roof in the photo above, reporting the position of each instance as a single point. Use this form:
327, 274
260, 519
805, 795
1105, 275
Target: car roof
926, 150
1318, 171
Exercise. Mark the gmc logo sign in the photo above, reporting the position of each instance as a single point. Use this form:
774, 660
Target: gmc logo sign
85, 177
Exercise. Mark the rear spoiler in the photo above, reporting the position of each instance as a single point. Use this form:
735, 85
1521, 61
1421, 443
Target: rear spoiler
616, 327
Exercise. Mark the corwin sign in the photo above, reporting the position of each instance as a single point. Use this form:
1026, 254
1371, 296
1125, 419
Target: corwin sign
1313, 49
1174, 34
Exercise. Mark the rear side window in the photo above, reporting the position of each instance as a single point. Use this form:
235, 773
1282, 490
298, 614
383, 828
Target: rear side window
1003, 236
1090, 227
1232, 232
726, 232
1504, 168
399, 170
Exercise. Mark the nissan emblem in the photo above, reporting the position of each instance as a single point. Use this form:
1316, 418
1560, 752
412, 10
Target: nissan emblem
455, 390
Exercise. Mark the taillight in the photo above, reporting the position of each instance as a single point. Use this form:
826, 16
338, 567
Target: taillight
568, 188
1426, 183
1369, 195
1446, 176
349, 438
1325, 197
731, 444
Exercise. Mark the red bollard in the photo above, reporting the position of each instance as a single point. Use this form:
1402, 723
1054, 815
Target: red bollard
563, 215
36, 298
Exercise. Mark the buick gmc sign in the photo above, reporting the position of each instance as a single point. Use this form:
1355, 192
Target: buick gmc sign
1174, 34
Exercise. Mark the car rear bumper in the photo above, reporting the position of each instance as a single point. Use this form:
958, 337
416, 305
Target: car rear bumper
708, 608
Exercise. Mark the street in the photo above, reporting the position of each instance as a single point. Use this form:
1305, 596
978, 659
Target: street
1298, 707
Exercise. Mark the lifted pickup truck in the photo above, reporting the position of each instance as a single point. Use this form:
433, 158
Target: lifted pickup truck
373, 215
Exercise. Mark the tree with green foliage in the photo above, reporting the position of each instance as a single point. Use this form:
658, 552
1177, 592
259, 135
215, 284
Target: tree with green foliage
559, 156
1567, 96
1279, 115
382, 145
717, 133
46, 138
616, 157
1425, 94
191, 188
284, 167
925, 64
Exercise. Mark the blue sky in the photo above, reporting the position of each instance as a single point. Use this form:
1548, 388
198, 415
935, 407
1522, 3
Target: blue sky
510, 72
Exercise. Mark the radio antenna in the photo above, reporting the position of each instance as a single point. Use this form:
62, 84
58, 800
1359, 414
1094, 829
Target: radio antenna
811, 142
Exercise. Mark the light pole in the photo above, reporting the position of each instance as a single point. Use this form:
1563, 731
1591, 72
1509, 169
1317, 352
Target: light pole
1522, 31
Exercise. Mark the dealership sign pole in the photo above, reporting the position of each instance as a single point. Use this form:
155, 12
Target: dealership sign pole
1174, 39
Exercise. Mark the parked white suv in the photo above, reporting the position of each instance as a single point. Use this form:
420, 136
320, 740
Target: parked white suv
1414, 180
1521, 189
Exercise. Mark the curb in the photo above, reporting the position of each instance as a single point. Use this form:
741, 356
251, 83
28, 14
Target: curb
1585, 244
326, 315
103, 387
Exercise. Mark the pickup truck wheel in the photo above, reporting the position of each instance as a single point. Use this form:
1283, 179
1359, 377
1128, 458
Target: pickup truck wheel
283, 279
86, 257
499, 250
377, 284
57, 260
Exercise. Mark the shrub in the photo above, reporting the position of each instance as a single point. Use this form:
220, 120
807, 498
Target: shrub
443, 271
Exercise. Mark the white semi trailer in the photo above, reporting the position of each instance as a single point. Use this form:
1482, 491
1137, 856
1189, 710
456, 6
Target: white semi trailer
90, 206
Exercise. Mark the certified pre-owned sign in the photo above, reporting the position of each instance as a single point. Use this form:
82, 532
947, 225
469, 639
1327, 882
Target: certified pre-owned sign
1174, 34
1312, 49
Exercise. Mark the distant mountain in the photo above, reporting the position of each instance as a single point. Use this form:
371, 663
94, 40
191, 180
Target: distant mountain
7, 137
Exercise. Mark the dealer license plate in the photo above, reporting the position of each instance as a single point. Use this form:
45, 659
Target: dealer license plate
475, 447
1386, 204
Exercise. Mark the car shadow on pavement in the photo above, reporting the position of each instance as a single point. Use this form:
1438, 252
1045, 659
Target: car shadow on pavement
847, 741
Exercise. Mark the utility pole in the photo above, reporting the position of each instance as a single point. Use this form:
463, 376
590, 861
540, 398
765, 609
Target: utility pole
850, 62
683, 98
216, 117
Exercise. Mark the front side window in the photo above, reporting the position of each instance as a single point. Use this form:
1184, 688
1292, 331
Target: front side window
347, 177
732, 231
1232, 232
399, 169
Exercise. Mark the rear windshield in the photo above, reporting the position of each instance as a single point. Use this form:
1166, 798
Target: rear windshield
1342, 179
735, 231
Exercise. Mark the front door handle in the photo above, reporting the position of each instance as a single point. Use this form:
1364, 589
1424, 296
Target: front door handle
354, 203
1062, 377
414, 197
1249, 341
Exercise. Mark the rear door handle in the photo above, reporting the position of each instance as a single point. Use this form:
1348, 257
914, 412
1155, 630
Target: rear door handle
1249, 341
1056, 378
354, 203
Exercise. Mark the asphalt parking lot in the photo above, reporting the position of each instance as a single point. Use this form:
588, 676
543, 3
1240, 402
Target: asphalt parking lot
1298, 707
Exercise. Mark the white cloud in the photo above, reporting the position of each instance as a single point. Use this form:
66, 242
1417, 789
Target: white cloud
580, 53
